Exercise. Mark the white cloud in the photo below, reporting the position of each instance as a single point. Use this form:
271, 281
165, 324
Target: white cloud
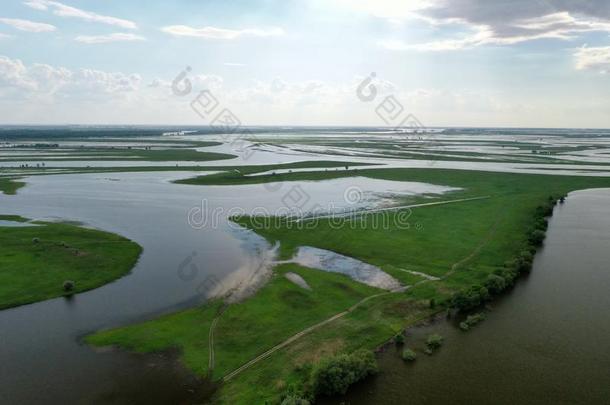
220, 33
26, 25
46, 80
63, 10
5, 36
593, 58
504, 23
114, 37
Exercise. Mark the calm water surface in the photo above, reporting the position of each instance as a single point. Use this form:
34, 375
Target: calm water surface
546, 342
42, 359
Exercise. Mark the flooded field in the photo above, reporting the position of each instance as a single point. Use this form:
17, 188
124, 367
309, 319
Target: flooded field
193, 252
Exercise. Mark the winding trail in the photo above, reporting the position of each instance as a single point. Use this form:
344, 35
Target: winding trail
312, 328
304, 332
375, 210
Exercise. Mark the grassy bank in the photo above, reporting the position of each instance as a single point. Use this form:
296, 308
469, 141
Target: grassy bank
10, 186
461, 243
248, 174
122, 154
246, 329
36, 260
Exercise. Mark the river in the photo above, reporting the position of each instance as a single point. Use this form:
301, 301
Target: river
545, 342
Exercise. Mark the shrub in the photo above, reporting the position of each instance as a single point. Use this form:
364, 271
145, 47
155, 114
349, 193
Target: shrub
470, 298
334, 375
495, 283
434, 341
35, 240
526, 255
523, 264
409, 355
472, 320
509, 275
295, 400
536, 237
484, 294
542, 224
68, 285
399, 339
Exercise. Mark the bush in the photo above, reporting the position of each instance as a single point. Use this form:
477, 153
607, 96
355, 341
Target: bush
470, 298
536, 237
409, 355
434, 341
399, 339
523, 264
334, 375
35, 240
526, 255
509, 275
472, 320
542, 224
68, 285
295, 400
495, 283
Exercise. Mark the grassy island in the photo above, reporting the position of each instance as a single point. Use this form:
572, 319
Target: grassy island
10, 186
43, 260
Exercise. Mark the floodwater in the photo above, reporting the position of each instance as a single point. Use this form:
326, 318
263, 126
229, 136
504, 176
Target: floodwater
326, 260
191, 252
545, 342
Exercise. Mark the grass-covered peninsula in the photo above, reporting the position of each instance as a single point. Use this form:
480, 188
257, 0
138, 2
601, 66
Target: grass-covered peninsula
9, 185
273, 345
44, 260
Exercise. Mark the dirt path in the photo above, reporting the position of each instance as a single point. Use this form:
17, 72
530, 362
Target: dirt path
211, 358
312, 328
304, 332
374, 210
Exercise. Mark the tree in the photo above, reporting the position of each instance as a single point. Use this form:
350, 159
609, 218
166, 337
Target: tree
334, 375
537, 237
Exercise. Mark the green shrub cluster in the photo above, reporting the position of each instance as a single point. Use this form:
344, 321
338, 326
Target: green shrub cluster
472, 320
433, 342
334, 375
295, 400
408, 355
505, 277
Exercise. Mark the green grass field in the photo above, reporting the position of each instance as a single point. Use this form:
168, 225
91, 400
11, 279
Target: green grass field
10, 186
462, 243
36, 260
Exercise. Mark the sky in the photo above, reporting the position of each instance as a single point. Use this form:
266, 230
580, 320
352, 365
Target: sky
519, 63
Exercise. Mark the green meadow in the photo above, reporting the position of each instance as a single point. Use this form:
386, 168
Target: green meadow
36, 260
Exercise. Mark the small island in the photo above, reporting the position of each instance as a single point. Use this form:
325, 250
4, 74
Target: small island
43, 260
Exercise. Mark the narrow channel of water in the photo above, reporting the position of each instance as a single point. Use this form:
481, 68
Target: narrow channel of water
545, 342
